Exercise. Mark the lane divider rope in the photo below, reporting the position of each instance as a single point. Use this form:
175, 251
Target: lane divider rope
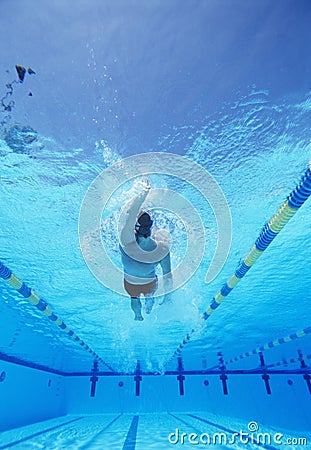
270, 230
285, 362
8, 276
272, 344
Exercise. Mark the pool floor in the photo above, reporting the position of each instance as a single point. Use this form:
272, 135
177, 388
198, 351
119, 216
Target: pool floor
146, 431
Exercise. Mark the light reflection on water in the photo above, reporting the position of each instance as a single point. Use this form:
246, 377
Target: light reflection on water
256, 154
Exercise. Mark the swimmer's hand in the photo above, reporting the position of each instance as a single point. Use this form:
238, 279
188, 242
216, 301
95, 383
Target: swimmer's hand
145, 191
141, 197
136, 202
145, 183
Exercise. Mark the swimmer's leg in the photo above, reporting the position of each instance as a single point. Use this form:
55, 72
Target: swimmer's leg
149, 303
136, 307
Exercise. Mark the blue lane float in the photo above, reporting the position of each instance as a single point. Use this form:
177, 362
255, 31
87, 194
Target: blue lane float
271, 344
7, 275
270, 230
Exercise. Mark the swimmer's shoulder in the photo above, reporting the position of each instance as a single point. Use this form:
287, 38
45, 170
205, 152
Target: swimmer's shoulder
163, 248
127, 246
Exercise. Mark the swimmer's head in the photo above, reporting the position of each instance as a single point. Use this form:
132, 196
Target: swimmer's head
143, 224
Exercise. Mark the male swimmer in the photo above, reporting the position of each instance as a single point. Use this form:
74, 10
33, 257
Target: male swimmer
140, 256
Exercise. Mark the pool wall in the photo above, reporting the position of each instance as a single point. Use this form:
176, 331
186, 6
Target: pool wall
288, 406
30, 395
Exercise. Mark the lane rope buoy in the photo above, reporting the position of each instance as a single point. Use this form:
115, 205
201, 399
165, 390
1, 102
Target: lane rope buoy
22, 288
270, 230
272, 344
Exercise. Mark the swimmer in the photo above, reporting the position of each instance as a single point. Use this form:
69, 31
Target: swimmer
140, 256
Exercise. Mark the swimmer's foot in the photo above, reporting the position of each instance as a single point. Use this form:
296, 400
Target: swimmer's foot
136, 308
139, 317
149, 305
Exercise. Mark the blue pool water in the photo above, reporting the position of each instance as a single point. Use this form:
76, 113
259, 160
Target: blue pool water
224, 85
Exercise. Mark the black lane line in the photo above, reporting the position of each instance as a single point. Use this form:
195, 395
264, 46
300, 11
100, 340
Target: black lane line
130, 441
185, 423
94, 438
191, 426
259, 444
38, 434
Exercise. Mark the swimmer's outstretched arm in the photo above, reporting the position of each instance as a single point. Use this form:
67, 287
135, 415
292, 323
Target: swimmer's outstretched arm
167, 276
127, 233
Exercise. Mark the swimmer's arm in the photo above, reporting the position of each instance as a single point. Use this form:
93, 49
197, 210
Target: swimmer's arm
167, 274
127, 233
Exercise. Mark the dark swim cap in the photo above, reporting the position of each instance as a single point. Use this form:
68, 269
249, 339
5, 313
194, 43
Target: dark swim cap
143, 225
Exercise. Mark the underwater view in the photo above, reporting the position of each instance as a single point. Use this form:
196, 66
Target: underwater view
152, 153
